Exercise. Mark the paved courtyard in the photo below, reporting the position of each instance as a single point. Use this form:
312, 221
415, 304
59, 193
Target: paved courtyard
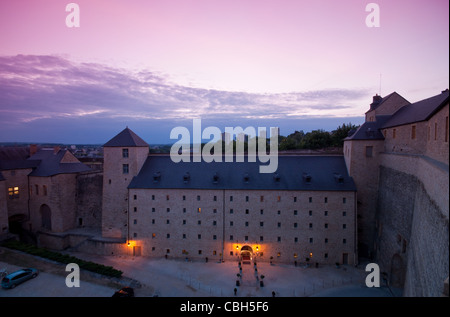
178, 278
171, 278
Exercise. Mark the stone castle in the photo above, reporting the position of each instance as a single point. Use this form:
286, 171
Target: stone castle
385, 199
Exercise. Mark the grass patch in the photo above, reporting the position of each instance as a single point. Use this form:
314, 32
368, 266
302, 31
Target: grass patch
62, 258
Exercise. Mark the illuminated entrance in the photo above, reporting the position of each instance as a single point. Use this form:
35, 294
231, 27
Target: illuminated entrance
246, 254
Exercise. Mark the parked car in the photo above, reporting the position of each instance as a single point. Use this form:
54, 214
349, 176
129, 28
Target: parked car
124, 292
17, 277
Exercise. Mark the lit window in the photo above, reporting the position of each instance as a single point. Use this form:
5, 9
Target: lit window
13, 192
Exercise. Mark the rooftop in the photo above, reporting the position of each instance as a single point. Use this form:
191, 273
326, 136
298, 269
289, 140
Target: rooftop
418, 111
126, 138
294, 173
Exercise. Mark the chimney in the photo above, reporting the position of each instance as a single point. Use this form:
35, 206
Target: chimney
376, 101
33, 149
56, 149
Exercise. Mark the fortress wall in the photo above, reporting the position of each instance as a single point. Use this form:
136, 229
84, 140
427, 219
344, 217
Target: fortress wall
412, 223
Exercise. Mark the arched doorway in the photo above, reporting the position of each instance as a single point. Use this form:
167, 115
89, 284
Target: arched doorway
46, 217
246, 254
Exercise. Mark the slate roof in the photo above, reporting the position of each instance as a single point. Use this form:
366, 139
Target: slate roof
50, 164
325, 173
418, 111
126, 138
370, 130
378, 100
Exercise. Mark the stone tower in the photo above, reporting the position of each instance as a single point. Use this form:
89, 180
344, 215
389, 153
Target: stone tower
124, 156
362, 156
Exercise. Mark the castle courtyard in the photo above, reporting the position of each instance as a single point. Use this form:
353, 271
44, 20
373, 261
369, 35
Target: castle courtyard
177, 278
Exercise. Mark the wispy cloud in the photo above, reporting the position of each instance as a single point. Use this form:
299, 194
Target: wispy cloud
38, 87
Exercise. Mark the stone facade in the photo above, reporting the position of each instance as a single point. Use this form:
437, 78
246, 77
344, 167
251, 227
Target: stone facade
3, 209
115, 183
405, 182
283, 226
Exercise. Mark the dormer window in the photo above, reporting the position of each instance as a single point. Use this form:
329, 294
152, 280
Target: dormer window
307, 178
215, 178
186, 177
156, 177
276, 177
339, 178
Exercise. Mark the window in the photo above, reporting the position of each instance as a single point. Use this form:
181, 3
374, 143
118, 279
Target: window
310, 225
278, 198
153, 197
325, 213
261, 211
199, 236
344, 213
231, 223
325, 226
13, 192
295, 199
125, 153
295, 212
344, 226
311, 240
310, 212
246, 198
44, 189
184, 221
310, 199
199, 210
125, 169
435, 131
261, 198
246, 211
135, 209
231, 198
135, 221
261, 223
279, 225
167, 197
168, 236
37, 189
215, 198
446, 130
278, 239
231, 237
184, 197
184, 236
134, 197
198, 197
153, 209
344, 200
231, 211
325, 200
394, 133
261, 239
295, 225
413, 132
369, 151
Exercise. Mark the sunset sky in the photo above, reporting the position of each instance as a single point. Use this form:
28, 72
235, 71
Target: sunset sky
155, 65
